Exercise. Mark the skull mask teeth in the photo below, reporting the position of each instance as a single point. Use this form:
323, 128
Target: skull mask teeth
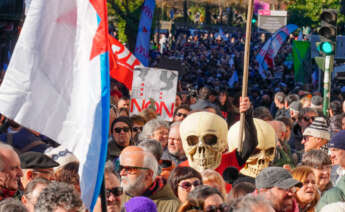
204, 139
264, 152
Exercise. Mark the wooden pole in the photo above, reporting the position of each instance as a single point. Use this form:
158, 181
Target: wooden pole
245, 66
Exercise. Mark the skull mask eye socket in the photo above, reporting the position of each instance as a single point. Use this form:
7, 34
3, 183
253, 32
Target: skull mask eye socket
270, 151
192, 140
210, 139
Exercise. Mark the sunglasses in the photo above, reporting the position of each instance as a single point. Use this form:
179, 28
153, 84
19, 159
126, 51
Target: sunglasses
306, 118
213, 208
181, 114
131, 169
116, 191
119, 129
188, 185
136, 129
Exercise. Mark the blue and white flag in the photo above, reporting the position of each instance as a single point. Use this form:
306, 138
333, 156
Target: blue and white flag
233, 79
143, 38
57, 82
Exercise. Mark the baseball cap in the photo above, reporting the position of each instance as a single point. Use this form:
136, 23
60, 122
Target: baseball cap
338, 140
275, 177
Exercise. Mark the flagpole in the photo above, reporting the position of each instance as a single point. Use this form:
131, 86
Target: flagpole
245, 66
103, 197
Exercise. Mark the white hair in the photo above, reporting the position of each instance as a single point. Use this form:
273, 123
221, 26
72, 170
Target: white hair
3, 147
151, 162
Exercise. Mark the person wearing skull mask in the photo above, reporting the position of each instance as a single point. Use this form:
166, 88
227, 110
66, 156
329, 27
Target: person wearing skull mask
204, 140
264, 152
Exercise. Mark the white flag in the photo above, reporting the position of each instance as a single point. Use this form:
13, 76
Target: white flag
57, 82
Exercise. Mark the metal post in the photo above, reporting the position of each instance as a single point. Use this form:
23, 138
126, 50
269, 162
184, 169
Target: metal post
326, 86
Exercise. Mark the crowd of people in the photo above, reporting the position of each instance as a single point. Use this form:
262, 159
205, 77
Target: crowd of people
291, 157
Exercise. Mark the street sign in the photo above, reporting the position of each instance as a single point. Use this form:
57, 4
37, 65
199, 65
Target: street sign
271, 20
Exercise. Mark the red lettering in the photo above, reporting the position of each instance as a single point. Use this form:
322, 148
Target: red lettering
134, 102
163, 105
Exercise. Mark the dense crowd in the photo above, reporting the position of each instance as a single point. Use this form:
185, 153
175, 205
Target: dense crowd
291, 157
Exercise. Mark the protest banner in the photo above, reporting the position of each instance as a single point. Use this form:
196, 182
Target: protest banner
154, 84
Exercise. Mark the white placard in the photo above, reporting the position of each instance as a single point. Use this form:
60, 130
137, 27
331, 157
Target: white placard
157, 84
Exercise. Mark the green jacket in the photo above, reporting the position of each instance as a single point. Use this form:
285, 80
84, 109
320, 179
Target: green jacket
165, 200
335, 194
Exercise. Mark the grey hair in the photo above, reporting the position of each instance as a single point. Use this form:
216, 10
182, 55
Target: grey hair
4, 146
12, 205
249, 203
151, 162
315, 158
32, 185
110, 169
58, 194
153, 146
150, 127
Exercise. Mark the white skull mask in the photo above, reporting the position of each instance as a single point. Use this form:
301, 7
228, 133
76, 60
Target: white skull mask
264, 152
203, 137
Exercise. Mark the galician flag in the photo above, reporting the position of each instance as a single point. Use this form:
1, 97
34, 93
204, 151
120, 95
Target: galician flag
57, 82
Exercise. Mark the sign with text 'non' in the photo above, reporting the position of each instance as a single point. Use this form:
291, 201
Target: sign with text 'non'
154, 86
271, 20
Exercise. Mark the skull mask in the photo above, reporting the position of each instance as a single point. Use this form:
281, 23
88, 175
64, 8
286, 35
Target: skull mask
203, 137
264, 152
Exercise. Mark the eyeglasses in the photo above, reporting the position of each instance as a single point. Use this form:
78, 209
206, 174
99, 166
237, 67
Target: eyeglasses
131, 169
188, 185
306, 118
181, 114
136, 129
212, 208
119, 129
116, 191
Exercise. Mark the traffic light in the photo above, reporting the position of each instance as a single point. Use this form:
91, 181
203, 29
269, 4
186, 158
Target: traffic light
327, 32
254, 18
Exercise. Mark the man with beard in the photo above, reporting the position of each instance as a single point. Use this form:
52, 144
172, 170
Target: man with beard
277, 186
112, 188
121, 133
139, 170
10, 172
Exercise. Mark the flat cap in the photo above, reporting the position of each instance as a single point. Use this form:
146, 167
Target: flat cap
275, 176
36, 160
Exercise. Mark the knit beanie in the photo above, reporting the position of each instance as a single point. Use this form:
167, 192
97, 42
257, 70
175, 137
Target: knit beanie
318, 129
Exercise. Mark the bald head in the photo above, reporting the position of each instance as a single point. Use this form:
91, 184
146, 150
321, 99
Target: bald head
279, 127
137, 156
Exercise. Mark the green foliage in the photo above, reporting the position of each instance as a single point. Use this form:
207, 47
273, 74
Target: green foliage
307, 12
125, 15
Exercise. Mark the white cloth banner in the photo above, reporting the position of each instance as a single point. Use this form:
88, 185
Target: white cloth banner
57, 82
157, 84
